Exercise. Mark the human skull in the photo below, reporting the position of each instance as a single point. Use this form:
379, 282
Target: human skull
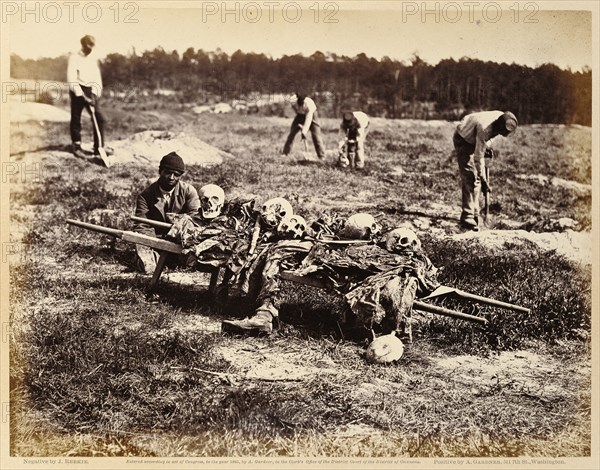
212, 198
292, 227
402, 240
385, 349
274, 210
361, 226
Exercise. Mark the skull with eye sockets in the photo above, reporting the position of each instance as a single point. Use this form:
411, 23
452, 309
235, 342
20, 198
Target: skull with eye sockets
274, 211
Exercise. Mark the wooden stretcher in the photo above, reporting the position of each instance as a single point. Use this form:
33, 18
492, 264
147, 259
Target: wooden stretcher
165, 248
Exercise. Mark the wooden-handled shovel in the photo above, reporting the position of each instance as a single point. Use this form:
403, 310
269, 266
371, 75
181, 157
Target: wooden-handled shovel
486, 207
101, 150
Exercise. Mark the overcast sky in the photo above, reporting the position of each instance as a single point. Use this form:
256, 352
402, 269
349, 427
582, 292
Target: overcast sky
441, 30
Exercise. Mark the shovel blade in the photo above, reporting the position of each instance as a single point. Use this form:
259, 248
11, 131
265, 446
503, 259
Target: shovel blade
104, 157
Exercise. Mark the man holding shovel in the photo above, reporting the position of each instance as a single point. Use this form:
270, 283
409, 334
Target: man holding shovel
306, 119
85, 87
472, 140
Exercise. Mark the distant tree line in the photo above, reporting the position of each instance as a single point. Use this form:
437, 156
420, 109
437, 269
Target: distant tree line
391, 88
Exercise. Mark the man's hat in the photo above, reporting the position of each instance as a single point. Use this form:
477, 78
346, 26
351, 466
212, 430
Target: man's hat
510, 121
172, 161
89, 40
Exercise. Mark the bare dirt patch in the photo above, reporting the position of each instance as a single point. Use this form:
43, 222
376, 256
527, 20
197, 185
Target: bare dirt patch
575, 246
522, 372
280, 361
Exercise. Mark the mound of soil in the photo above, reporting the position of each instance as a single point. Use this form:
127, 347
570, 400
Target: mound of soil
575, 246
150, 146
559, 182
29, 111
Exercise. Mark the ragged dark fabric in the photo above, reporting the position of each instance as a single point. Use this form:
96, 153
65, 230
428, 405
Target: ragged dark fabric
378, 285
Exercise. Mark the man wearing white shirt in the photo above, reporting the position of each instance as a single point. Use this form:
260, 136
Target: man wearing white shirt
355, 126
85, 87
306, 119
472, 139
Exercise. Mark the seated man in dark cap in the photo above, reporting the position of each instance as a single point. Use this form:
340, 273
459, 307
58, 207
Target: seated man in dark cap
166, 195
472, 141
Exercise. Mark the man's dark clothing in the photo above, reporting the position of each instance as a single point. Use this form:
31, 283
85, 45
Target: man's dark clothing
151, 205
78, 104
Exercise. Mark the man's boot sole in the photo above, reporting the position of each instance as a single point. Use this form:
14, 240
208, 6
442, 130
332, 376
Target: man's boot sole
227, 326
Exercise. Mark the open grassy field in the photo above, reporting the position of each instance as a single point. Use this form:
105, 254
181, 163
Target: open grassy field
99, 370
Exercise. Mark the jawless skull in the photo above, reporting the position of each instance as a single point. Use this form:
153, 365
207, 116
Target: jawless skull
212, 198
402, 240
274, 211
361, 226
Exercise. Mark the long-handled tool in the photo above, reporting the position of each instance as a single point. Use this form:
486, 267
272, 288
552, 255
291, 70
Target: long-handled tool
307, 157
488, 156
303, 138
101, 149
443, 291
486, 207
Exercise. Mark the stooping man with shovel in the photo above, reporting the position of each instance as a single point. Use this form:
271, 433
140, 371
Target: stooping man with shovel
354, 127
85, 87
472, 141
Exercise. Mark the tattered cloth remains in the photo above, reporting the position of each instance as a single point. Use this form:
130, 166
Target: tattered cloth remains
223, 241
227, 240
373, 280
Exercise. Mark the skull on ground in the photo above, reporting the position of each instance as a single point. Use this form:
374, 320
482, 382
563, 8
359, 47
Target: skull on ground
361, 226
212, 198
385, 349
292, 227
402, 240
274, 211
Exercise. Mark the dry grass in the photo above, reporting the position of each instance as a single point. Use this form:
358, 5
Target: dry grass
99, 370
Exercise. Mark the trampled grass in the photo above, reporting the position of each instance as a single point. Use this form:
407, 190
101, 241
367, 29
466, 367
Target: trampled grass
97, 369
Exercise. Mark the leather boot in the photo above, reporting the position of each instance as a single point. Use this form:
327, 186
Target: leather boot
262, 322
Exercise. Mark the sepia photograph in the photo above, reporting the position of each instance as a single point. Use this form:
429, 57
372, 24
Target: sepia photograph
300, 234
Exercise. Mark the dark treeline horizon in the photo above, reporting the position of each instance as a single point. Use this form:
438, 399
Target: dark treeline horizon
386, 87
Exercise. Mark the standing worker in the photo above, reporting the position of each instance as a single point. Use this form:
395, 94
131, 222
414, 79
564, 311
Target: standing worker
355, 126
85, 87
306, 119
472, 140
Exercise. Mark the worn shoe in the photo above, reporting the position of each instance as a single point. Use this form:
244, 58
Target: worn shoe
78, 151
470, 223
261, 323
